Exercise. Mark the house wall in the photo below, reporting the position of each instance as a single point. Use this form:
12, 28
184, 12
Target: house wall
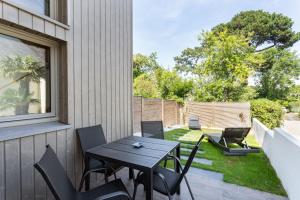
283, 151
99, 71
95, 87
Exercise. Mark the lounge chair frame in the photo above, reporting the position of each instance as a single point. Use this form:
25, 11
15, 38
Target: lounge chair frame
233, 136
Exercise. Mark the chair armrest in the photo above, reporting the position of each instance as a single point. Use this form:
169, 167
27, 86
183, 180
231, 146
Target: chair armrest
114, 194
88, 172
162, 177
177, 160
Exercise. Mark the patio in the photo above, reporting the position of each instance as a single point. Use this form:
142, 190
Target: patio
85, 48
203, 188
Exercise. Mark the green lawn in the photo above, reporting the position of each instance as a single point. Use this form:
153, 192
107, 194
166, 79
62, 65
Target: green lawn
253, 171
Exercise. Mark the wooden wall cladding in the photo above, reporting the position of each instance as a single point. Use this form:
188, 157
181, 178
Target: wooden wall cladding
24, 18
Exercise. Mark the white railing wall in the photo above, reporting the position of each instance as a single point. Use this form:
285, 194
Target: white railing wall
283, 151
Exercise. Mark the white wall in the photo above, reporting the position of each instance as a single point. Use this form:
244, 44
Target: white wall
283, 151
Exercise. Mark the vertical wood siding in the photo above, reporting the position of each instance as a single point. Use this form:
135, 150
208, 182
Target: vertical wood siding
99, 91
100, 51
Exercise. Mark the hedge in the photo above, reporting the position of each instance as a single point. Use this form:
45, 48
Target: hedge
268, 112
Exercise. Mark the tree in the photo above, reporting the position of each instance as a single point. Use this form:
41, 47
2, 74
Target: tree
21, 69
145, 86
144, 64
266, 30
277, 75
172, 86
294, 93
223, 62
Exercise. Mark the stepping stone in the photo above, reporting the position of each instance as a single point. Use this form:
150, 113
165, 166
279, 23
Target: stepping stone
198, 160
190, 145
201, 172
190, 150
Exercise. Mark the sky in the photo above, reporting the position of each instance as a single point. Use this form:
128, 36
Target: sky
169, 26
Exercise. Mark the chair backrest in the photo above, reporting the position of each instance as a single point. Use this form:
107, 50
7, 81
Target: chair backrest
235, 134
190, 160
156, 128
55, 176
90, 137
187, 165
192, 156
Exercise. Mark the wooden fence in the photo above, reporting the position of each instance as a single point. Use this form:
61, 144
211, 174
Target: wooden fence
154, 109
219, 115
211, 115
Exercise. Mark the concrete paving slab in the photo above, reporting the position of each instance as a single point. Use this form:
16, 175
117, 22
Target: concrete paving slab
190, 150
198, 160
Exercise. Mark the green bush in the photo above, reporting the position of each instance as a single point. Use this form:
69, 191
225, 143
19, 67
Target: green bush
294, 106
268, 112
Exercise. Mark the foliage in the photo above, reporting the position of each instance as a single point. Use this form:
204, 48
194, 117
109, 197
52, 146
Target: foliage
294, 93
172, 86
294, 106
253, 170
153, 81
145, 86
21, 69
13, 98
277, 74
223, 62
144, 64
268, 112
271, 34
266, 29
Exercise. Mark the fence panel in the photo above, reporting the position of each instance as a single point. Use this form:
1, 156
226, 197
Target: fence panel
211, 115
219, 115
154, 110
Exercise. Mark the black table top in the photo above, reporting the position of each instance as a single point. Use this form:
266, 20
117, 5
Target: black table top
122, 152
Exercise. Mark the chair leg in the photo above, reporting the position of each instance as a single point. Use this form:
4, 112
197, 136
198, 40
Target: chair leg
175, 164
81, 184
189, 187
115, 175
134, 191
131, 173
82, 180
165, 163
105, 178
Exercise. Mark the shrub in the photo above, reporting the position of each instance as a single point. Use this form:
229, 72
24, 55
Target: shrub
268, 112
294, 106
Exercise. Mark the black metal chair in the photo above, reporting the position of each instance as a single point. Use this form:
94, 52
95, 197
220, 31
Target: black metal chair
232, 136
90, 137
62, 188
166, 181
155, 129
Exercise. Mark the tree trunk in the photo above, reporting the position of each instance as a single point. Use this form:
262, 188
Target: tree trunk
23, 106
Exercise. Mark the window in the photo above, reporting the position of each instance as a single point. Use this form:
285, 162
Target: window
40, 6
27, 83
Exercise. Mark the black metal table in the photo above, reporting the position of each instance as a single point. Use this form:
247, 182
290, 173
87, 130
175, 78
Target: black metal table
145, 158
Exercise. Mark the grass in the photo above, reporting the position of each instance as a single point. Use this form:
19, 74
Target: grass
253, 171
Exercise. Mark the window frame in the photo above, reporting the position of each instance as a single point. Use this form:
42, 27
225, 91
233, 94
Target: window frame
53, 9
54, 63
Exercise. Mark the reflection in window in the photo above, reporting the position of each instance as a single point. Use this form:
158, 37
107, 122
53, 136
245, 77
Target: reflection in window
41, 6
24, 77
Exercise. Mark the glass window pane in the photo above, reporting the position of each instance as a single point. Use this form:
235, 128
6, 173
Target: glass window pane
24, 77
41, 6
